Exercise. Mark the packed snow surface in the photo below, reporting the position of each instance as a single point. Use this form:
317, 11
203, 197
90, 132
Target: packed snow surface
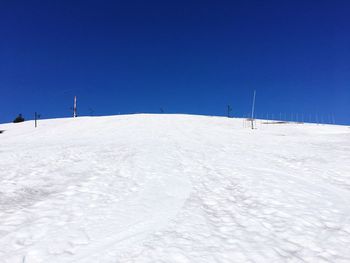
173, 188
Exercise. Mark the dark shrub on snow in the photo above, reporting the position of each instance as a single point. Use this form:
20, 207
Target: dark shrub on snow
19, 118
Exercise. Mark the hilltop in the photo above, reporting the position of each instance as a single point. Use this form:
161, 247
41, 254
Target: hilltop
173, 188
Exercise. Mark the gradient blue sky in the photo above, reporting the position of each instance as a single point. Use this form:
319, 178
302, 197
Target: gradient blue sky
182, 56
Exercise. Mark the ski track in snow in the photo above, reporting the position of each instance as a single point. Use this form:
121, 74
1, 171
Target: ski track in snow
173, 188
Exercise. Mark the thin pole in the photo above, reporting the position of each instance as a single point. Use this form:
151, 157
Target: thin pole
35, 117
229, 109
253, 107
75, 107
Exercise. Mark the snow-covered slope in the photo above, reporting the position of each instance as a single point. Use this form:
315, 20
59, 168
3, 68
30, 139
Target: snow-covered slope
173, 188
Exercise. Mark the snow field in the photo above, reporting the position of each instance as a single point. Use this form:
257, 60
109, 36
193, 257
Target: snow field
173, 188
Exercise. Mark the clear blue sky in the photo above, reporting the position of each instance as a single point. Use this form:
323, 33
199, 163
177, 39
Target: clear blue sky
182, 56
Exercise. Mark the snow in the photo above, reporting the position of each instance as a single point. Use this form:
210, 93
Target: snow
173, 188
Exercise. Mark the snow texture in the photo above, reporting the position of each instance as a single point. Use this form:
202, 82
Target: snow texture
173, 188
